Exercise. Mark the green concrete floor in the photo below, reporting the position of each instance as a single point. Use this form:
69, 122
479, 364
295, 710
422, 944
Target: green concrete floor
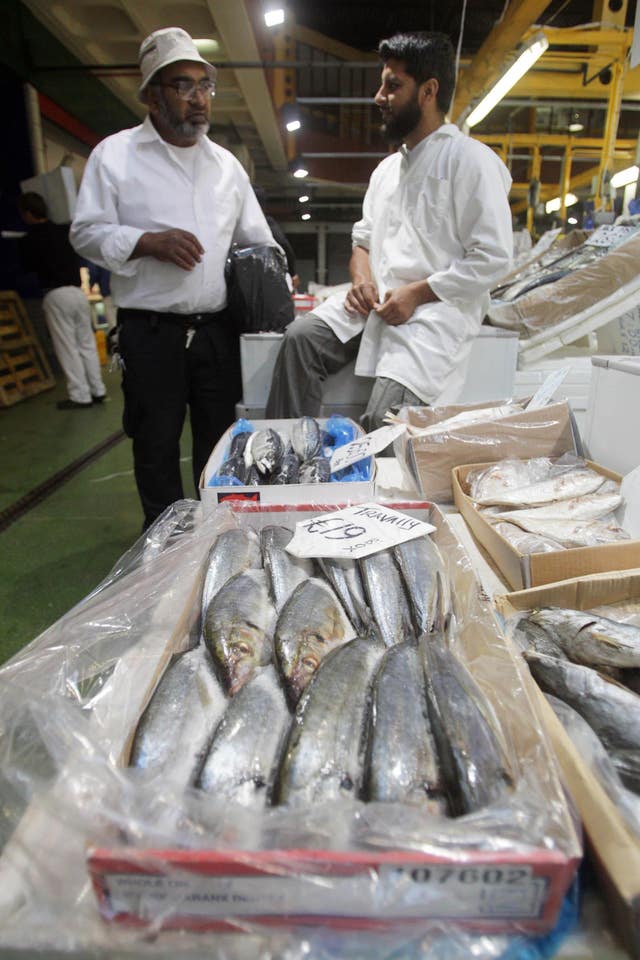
63, 547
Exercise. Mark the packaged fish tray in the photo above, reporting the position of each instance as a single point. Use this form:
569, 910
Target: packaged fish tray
595, 622
198, 739
284, 461
525, 563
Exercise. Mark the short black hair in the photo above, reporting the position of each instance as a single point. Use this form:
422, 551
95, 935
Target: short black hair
34, 204
424, 55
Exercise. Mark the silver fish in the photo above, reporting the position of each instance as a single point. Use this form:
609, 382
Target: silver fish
306, 437
564, 486
242, 759
265, 449
403, 765
506, 475
344, 577
573, 533
289, 469
284, 570
316, 470
311, 623
232, 552
530, 636
593, 641
427, 584
469, 737
585, 508
386, 596
324, 757
238, 628
174, 732
610, 709
525, 542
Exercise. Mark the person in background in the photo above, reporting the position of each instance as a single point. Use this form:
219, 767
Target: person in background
159, 206
46, 250
435, 234
280, 238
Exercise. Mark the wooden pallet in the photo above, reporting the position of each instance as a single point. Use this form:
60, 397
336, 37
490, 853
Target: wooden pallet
24, 369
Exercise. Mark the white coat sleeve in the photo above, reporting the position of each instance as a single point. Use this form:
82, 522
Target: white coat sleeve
361, 232
479, 191
251, 227
95, 231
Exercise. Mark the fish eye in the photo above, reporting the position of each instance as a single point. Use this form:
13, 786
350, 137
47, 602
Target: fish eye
310, 662
240, 649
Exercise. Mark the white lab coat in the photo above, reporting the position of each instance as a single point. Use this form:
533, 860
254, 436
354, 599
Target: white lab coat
133, 183
438, 212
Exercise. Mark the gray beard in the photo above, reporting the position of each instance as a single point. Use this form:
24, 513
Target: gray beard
184, 128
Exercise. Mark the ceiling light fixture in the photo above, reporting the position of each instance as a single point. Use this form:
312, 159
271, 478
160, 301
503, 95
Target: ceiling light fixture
306, 216
291, 117
298, 169
572, 221
274, 17
551, 206
532, 52
303, 199
624, 177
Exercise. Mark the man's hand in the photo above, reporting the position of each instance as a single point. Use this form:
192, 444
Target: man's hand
400, 304
361, 298
170, 246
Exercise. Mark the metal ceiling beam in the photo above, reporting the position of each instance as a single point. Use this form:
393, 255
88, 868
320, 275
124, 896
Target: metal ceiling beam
342, 51
236, 32
489, 62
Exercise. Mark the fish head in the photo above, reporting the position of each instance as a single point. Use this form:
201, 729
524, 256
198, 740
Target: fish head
241, 647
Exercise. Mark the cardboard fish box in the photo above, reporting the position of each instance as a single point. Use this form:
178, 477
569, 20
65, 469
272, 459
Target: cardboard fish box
522, 571
428, 461
357, 491
615, 849
517, 885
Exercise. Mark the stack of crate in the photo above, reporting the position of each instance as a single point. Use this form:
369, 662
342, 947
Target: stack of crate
24, 370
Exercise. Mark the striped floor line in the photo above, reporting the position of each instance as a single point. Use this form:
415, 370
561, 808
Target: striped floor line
35, 496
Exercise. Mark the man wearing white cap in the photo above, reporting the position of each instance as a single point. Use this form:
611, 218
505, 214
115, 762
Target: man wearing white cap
159, 206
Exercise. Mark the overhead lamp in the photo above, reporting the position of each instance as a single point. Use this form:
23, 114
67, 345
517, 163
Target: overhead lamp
291, 117
575, 124
532, 52
274, 17
298, 169
624, 177
306, 216
572, 221
551, 206
303, 199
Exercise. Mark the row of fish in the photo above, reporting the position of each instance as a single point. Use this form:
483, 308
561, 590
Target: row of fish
543, 505
265, 456
591, 663
310, 685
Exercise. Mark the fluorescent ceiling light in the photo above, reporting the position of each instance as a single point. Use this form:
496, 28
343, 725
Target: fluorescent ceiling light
300, 172
303, 199
575, 127
293, 125
306, 216
552, 205
532, 52
273, 18
572, 221
624, 177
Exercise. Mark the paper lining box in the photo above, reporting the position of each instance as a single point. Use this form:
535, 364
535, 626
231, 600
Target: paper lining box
546, 432
523, 571
615, 849
517, 886
357, 491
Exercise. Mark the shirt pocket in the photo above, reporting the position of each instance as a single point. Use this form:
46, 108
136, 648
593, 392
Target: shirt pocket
432, 207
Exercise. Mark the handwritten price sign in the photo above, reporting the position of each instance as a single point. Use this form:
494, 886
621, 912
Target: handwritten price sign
365, 446
355, 532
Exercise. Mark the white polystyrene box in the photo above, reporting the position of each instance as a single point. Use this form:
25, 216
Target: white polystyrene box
492, 366
611, 435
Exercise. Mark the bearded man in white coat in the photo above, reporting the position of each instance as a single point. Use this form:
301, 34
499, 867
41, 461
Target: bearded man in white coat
434, 237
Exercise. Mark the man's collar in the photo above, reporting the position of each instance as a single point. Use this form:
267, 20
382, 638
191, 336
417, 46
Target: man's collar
444, 130
148, 134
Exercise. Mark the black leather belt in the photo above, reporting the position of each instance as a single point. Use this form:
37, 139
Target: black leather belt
186, 320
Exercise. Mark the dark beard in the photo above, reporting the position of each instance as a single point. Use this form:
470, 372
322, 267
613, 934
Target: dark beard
396, 129
183, 128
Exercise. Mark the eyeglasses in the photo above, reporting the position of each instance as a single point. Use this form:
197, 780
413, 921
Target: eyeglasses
185, 89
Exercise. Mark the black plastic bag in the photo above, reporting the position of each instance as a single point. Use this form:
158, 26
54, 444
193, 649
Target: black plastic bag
258, 296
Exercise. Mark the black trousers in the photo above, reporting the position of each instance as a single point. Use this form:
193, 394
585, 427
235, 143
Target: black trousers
161, 377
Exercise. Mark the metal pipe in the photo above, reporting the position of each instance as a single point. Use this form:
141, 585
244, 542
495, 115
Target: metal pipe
34, 122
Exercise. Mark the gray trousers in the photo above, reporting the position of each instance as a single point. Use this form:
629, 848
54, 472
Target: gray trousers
68, 317
310, 351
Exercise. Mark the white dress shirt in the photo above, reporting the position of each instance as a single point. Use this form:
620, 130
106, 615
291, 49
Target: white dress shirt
438, 212
134, 183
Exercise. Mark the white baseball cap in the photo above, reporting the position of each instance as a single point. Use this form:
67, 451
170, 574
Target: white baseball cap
163, 47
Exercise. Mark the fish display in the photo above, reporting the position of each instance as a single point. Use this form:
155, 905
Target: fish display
324, 756
174, 732
588, 639
403, 765
312, 622
344, 576
463, 419
565, 486
306, 438
610, 709
284, 571
386, 596
232, 552
289, 469
573, 533
425, 579
238, 628
242, 759
476, 768
265, 449
525, 542
581, 509
316, 470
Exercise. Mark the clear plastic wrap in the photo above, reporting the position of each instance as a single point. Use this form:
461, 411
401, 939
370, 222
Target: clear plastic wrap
257, 292
70, 704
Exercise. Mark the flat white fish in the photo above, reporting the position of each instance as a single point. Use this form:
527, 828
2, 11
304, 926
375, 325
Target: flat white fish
565, 486
577, 508
574, 533
507, 475
525, 542
463, 419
